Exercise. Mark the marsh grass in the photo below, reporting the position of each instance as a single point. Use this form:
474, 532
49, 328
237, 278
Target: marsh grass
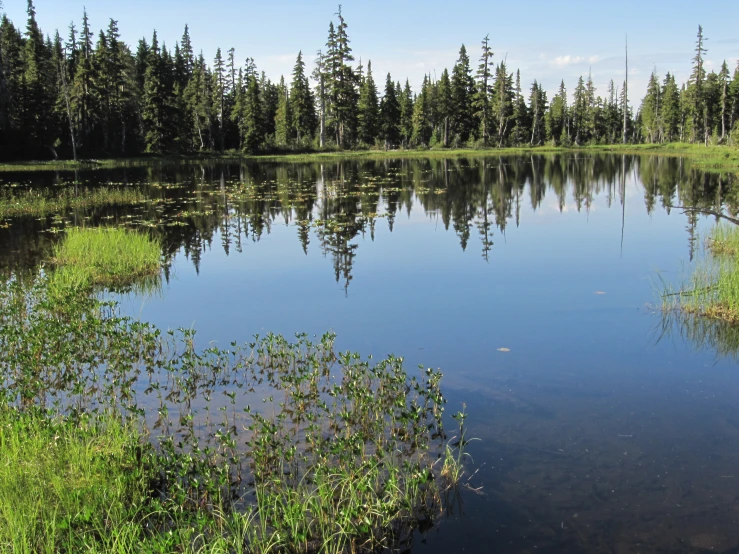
111, 257
40, 203
269, 446
64, 483
712, 289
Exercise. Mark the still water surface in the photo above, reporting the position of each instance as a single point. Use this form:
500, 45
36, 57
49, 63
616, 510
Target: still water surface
601, 428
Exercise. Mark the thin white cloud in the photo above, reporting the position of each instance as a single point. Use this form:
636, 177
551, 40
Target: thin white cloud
563, 61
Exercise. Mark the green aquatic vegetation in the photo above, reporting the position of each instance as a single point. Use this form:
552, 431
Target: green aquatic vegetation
268, 446
45, 202
110, 257
712, 289
67, 484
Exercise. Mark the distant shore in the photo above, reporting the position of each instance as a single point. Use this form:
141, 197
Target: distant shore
707, 158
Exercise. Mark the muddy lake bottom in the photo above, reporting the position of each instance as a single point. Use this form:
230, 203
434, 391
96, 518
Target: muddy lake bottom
528, 280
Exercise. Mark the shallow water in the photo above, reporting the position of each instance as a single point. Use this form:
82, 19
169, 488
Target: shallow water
602, 429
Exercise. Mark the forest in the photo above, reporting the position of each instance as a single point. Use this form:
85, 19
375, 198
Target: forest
95, 96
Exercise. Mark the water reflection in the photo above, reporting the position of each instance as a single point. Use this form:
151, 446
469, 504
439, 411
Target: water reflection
596, 436
332, 205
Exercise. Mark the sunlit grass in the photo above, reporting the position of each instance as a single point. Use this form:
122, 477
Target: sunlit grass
38, 203
65, 484
712, 290
107, 257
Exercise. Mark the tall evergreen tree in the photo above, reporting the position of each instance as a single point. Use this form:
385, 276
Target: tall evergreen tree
283, 118
463, 91
502, 106
303, 107
390, 115
368, 114
406, 114
252, 119
483, 92
697, 78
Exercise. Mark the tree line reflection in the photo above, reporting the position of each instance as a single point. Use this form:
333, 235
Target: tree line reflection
332, 206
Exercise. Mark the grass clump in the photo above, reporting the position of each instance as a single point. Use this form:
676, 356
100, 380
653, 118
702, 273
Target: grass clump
109, 257
712, 290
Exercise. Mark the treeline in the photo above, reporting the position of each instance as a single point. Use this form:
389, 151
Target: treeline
91, 96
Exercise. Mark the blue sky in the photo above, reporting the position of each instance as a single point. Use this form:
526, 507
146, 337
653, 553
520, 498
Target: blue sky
546, 40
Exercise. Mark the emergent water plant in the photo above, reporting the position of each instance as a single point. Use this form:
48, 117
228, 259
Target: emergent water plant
269, 446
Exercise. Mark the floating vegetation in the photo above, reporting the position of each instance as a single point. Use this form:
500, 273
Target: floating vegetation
269, 446
45, 202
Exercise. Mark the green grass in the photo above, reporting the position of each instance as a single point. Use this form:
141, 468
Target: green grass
66, 486
109, 257
711, 158
712, 290
39, 203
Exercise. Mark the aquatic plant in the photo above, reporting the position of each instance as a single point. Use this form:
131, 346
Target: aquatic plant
273, 445
712, 289
44, 202
108, 256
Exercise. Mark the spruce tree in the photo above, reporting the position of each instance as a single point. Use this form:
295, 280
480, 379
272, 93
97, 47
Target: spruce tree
368, 113
463, 91
502, 105
723, 81
670, 108
521, 124
284, 118
252, 118
422, 128
445, 106
406, 114
390, 115
303, 107
483, 92
537, 111
697, 78
650, 111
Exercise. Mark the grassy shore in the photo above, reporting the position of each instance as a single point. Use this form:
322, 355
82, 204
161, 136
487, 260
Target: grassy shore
711, 158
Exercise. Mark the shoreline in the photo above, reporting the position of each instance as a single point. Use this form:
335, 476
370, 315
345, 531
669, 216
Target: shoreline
710, 158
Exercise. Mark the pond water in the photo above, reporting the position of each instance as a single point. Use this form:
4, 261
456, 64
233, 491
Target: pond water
527, 280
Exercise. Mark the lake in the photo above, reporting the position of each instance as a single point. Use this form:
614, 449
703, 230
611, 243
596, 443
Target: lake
528, 280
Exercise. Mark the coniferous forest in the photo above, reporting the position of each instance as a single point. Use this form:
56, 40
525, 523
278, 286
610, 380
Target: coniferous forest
93, 95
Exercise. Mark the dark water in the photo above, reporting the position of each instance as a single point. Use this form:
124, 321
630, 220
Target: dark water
603, 429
